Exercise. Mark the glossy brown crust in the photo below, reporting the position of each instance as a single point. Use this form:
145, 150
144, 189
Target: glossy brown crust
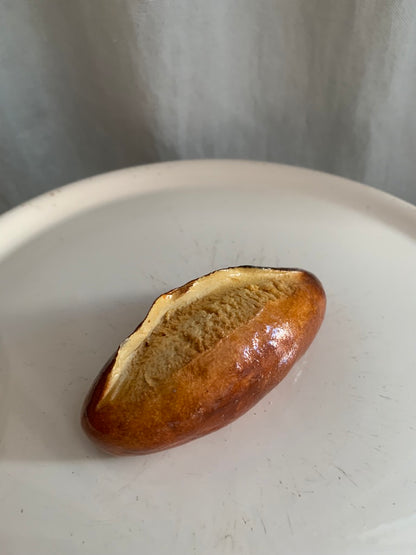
218, 386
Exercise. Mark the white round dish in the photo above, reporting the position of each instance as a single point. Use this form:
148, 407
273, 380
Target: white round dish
326, 463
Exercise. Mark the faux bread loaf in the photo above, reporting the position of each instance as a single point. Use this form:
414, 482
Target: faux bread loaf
205, 353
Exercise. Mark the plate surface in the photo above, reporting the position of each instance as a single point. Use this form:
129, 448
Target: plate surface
326, 463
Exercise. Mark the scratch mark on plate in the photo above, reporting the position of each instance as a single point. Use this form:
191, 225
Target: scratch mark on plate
347, 476
290, 523
264, 526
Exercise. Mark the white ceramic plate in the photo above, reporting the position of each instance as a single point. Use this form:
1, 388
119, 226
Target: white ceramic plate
325, 464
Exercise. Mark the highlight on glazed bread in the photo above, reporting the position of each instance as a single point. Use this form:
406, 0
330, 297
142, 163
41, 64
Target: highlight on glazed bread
205, 353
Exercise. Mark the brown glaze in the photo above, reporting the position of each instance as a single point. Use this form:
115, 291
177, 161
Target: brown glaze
216, 387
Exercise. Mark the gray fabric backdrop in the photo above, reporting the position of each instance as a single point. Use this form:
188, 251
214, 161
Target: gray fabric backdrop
88, 86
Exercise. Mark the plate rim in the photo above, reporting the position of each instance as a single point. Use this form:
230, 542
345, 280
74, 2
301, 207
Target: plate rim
30, 218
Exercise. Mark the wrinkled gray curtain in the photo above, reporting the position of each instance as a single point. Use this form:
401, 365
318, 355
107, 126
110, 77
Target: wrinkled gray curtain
88, 86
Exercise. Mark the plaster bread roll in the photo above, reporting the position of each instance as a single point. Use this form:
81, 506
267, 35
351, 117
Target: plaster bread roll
205, 354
